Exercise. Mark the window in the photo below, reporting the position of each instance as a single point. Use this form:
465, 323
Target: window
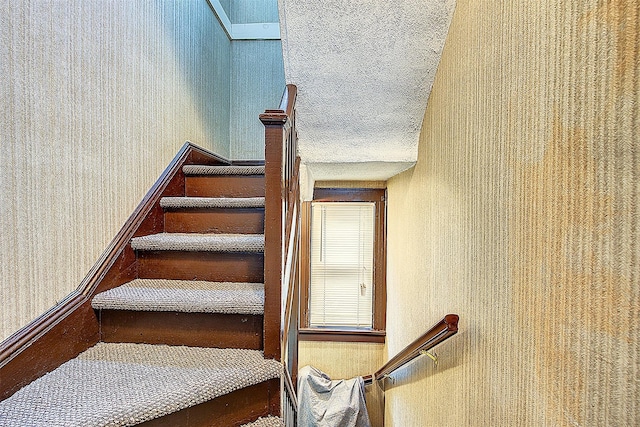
341, 270
344, 242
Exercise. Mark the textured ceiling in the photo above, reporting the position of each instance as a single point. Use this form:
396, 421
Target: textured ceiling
364, 70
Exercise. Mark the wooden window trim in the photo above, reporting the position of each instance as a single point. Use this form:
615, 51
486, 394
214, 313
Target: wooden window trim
377, 334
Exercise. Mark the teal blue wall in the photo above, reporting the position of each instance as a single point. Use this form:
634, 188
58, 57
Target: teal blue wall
248, 79
202, 54
257, 82
257, 79
251, 11
220, 47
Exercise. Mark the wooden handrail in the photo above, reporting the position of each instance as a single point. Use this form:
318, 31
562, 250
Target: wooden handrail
290, 389
287, 104
442, 330
291, 251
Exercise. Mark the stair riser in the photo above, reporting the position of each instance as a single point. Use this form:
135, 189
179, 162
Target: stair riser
224, 186
232, 221
233, 409
212, 266
175, 328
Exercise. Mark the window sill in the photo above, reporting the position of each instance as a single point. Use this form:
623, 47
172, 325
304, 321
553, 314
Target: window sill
310, 334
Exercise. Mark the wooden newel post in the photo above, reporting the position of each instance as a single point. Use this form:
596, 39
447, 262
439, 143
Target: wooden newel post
274, 123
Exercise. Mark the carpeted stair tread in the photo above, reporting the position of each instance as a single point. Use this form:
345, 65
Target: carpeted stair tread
269, 421
211, 202
200, 242
126, 384
222, 170
187, 296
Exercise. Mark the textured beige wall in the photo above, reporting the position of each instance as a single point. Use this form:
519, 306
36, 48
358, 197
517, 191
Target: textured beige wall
344, 360
96, 98
522, 217
341, 360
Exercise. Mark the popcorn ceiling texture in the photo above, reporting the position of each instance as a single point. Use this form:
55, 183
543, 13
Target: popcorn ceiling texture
364, 71
521, 215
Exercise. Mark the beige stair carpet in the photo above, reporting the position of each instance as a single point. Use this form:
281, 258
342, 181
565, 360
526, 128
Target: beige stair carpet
211, 202
222, 170
200, 242
266, 422
187, 296
126, 384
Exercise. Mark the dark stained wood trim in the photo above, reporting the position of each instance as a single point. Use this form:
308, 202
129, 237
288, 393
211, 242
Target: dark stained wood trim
284, 111
11, 346
274, 122
305, 262
290, 387
215, 266
349, 194
247, 162
368, 379
230, 410
291, 269
176, 328
274, 397
70, 331
439, 332
350, 184
341, 335
218, 220
29, 353
378, 196
279, 131
288, 101
147, 218
225, 186
273, 239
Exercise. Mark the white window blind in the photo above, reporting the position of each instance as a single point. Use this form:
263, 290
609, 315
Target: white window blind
342, 246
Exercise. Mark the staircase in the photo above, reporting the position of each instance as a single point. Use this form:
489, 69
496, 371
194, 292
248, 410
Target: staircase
182, 343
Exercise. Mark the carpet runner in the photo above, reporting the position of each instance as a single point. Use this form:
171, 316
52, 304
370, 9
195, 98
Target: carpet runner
125, 384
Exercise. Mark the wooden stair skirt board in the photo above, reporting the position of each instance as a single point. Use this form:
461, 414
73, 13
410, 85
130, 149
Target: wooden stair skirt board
184, 277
